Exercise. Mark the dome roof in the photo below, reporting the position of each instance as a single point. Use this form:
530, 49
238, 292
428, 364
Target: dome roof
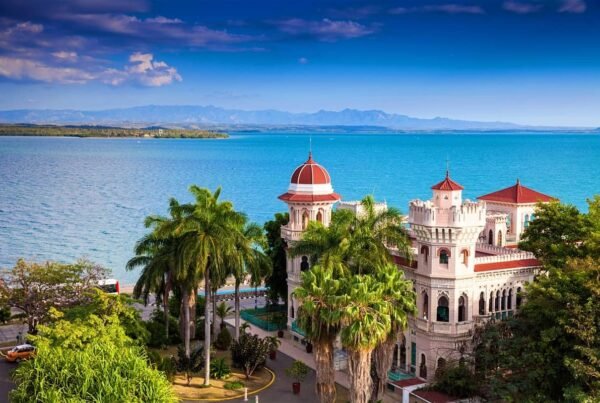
310, 182
310, 173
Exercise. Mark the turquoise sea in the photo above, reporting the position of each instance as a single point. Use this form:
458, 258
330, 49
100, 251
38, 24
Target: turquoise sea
63, 198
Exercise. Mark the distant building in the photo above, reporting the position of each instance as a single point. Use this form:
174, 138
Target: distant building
466, 266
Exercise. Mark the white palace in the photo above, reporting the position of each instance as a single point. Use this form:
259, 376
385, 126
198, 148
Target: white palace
466, 266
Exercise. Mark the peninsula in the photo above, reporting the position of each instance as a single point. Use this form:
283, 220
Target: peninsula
107, 131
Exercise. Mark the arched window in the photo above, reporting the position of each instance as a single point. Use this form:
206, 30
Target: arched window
403, 353
304, 265
444, 255
462, 309
491, 307
503, 300
510, 297
425, 252
441, 364
443, 312
519, 298
482, 304
491, 237
305, 220
425, 305
320, 217
465, 256
499, 237
497, 302
526, 220
509, 223
292, 313
423, 367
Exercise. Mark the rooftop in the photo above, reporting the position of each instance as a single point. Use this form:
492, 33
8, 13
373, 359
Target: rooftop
517, 194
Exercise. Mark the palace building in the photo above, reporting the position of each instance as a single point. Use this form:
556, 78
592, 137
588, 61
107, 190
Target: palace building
466, 267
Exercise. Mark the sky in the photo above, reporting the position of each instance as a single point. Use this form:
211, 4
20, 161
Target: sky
523, 61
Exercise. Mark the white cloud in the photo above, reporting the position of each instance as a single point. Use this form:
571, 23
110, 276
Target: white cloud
142, 69
573, 6
440, 8
303, 60
521, 8
325, 29
19, 69
66, 56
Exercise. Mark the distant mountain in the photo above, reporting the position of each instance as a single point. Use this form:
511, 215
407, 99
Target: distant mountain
207, 116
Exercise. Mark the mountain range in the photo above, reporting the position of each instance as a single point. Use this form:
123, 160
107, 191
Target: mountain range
190, 116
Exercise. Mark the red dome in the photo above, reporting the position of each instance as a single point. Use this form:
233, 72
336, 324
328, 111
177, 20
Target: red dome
310, 173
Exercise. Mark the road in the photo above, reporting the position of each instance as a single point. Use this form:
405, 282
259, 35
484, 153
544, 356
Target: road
6, 384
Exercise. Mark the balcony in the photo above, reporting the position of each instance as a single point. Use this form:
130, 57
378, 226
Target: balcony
290, 234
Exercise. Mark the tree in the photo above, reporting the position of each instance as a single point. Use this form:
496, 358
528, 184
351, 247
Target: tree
320, 317
34, 288
88, 359
209, 233
366, 323
277, 281
250, 352
556, 234
223, 310
397, 291
551, 350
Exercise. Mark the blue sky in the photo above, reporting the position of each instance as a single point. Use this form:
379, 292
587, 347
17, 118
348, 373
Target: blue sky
525, 61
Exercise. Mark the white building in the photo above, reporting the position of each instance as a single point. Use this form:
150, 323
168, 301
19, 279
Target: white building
466, 267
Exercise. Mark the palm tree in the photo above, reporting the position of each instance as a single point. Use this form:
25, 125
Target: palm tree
249, 259
223, 310
209, 232
366, 323
398, 292
319, 316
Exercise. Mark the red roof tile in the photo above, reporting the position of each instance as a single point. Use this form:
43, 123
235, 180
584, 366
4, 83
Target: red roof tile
434, 397
310, 173
447, 184
511, 264
517, 194
409, 382
298, 197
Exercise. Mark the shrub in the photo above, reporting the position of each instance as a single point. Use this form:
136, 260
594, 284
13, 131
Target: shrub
297, 371
456, 380
90, 359
223, 341
156, 328
250, 353
234, 385
5, 314
219, 369
191, 364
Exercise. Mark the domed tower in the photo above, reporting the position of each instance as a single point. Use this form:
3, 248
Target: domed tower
310, 197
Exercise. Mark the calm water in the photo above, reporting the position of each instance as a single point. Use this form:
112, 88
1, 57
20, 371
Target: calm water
63, 198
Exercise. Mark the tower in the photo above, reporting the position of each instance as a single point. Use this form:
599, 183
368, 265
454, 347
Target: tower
310, 197
446, 229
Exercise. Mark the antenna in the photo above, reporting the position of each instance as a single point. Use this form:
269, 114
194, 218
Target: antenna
447, 166
310, 144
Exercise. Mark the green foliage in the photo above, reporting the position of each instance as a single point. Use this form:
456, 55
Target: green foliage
456, 381
223, 310
219, 369
233, 385
274, 341
223, 341
298, 371
105, 305
88, 359
189, 365
35, 288
156, 329
551, 350
250, 353
98, 131
277, 281
5, 314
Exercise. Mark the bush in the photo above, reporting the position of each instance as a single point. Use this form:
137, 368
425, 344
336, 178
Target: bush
156, 328
4, 314
250, 353
297, 371
234, 385
166, 365
219, 369
223, 341
457, 381
190, 365
88, 359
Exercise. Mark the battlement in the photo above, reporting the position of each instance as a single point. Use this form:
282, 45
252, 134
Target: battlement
465, 215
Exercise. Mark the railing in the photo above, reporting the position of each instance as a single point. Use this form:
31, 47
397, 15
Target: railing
296, 329
494, 250
290, 234
504, 258
278, 321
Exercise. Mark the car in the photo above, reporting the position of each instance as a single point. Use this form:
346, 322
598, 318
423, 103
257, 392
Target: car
20, 353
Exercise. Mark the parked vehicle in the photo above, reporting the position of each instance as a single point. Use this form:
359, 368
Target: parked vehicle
20, 353
109, 286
